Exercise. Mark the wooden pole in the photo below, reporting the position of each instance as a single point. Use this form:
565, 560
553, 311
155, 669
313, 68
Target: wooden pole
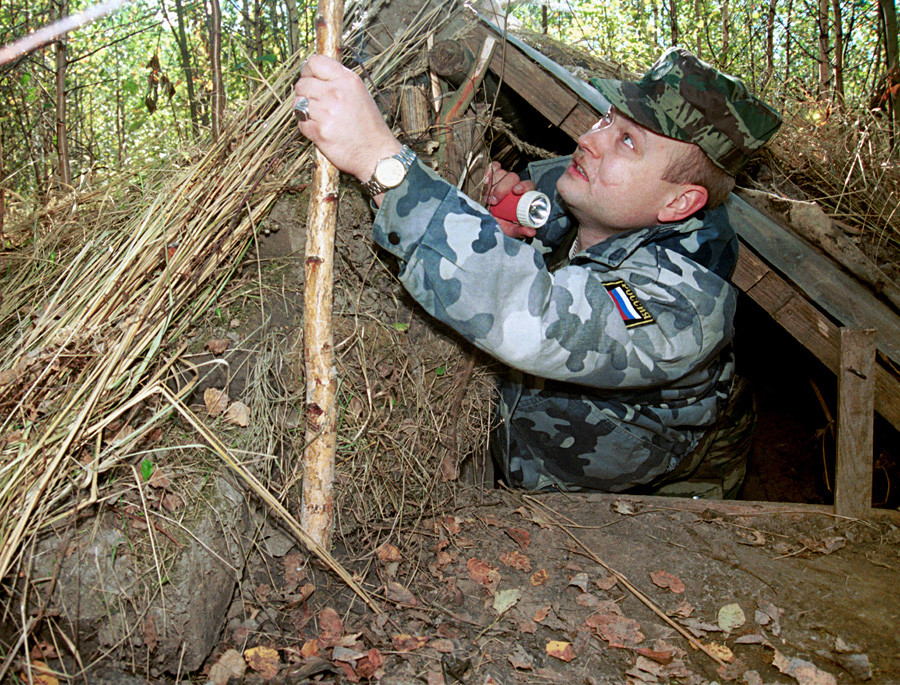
855, 425
317, 497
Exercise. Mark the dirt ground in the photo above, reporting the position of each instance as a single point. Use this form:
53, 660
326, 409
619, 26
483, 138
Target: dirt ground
510, 588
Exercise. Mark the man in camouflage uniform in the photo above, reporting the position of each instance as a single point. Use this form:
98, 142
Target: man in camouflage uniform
615, 320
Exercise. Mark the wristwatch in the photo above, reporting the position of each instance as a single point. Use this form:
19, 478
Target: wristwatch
390, 172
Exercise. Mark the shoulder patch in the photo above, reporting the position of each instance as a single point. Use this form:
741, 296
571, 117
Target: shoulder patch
633, 312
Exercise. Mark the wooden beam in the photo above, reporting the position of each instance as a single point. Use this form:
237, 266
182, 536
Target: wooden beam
555, 101
855, 423
816, 276
810, 327
726, 507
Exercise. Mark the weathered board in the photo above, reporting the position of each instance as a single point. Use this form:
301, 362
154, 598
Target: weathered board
855, 429
832, 289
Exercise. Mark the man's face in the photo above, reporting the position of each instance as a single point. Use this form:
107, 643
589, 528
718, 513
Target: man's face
615, 181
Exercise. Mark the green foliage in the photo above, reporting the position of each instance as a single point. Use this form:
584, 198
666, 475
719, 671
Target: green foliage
127, 98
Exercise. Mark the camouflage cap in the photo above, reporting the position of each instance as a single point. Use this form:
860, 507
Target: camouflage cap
687, 99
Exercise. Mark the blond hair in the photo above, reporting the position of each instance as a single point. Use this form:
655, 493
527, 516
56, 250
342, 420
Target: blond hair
693, 167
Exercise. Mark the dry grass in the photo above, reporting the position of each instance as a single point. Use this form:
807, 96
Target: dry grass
847, 164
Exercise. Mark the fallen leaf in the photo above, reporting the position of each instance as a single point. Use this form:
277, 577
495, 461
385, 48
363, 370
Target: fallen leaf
660, 657
621, 506
617, 630
41, 674
172, 502
731, 616
217, 345
828, 545
586, 599
580, 580
804, 672
451, 524
148, 632
751, 639
516, 560
159, 480
310, 649
442, 645
293, 570
753, 538
504, 600
43, 650
540, 577
388, 553
683, 610
216, 401
520, 659
238, 414
397, 593
721, 651
700, 628
606, 583
561, 650
520, 536
370, 665
541, 614
435, 678
666, 580
263, 660
483, 573
230, 665
646, 665
408, 643
330, 626
346, 654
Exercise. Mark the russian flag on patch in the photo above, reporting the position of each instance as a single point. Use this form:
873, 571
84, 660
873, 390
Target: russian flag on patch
633, 312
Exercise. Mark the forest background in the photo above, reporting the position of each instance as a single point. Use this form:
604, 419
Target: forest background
128, 93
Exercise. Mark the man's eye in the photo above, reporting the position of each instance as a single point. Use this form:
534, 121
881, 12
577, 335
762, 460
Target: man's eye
628, 140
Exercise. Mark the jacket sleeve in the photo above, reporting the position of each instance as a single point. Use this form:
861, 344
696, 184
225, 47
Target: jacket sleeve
497, 292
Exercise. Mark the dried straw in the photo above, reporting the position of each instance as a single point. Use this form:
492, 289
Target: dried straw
91, 333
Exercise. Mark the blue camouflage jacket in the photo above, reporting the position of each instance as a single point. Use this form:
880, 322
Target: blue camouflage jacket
619, 356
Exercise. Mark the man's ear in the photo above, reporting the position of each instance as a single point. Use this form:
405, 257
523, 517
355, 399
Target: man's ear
689, 199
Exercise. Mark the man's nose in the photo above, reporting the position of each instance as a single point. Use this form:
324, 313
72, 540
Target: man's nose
594, 141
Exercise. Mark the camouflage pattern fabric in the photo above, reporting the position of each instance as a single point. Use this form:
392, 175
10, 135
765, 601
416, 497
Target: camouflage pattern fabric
685, 98
619, 359
716, 468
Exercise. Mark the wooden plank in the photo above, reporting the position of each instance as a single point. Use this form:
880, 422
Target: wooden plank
855, 424
835, 291
559, 104
721, 506
810, 327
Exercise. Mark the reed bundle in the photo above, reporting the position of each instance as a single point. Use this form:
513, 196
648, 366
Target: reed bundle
94, 331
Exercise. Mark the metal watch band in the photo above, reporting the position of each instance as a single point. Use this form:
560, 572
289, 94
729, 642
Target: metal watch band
373, 187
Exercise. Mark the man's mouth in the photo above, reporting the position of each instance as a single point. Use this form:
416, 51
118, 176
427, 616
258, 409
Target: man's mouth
579, 170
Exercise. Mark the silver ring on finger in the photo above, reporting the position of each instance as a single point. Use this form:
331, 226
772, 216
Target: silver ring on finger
301, 109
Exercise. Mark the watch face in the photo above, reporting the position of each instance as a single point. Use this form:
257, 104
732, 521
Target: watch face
390, 172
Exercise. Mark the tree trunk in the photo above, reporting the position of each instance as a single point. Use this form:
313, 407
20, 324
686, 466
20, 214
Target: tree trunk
838, 53
544, 19
699, 21
787, 49
726, 34
293, 26
770, 43
215, 59
822, 48
62, 135
889, 24
181, 38
317, 503
673, 22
